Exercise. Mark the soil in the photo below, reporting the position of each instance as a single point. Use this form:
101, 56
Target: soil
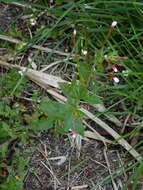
87, 171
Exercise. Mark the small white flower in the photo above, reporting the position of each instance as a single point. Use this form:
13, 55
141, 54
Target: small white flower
94, 69
116, 79
74, 32
114, 23
32, 21
125, 73
22, 71
87, 6
84, 52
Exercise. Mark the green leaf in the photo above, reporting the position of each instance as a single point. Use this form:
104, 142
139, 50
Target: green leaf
84, 72
71, 90
4, 148
68, 122
45, 124
79, 128
54, 109
12, 183
9, 130
92, 99
3, 132
74, 90
83, 92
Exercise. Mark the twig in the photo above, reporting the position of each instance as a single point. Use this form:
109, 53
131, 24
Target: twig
125, 122
122, 165
79, 187
38, 179
50, 172
52, 64
21, 5
77, 175
41, 48
98, 163
108, 165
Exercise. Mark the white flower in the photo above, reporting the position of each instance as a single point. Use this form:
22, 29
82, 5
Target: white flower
125, 73
87, 6
22, 71
74, 32
84, 52
116, 79
114, 23
32, 21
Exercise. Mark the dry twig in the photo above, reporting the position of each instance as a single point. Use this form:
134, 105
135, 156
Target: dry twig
79, 187
110, 172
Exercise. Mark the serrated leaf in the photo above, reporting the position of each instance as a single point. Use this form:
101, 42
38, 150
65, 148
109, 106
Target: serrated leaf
71, 90
93, 99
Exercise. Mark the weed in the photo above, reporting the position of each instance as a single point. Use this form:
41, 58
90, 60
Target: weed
107, 61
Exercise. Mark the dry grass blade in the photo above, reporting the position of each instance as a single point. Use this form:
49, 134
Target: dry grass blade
41, 48
93, 135
51, 65
78, 139
30, 73
114, 134
112, 118
46, 79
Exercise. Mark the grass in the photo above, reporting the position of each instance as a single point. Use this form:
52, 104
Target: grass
120, 46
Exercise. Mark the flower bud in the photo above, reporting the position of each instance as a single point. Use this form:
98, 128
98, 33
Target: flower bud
114, 23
